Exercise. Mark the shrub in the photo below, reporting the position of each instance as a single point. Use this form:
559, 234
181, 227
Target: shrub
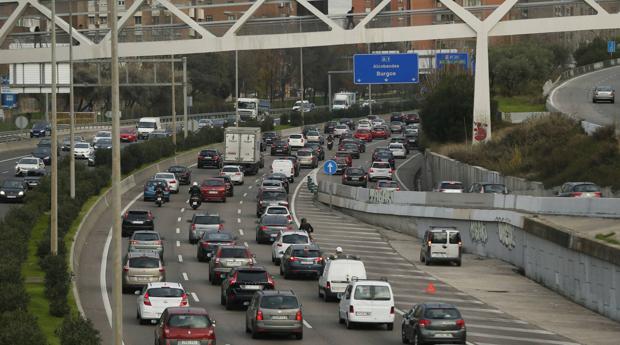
13, 296
76, 330
20, 327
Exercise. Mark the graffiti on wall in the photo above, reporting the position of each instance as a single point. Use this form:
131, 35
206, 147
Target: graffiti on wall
478, 232
506, 235
381, 196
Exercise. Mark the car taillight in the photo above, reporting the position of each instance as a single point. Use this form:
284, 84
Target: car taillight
442, 190
292, 170
371, 170
173, 182
233, 279
289, 227
328, 286
149, 216
392, 310
319, 259
293, 259
162, 269
290, 219
263, 228
351, 309
270, 281
597, 194
183, 300
147, 301
125, 268
424, 323
237, 173
216, 157
217, 260
298, 316
259, 316
391, 171
126, 215
460, 323
158, 242
279, 244
397, 189
132, 241
193, 226
220, 227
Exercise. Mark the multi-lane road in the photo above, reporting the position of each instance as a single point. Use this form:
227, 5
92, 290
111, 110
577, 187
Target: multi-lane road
486, 325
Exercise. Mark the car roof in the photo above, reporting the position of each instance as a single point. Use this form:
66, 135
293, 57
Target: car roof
143, 253
187, 310
145, 232
576, 183
164, 284
294, 232
312, 246
206, 214
277, 292
369, 281
438, 305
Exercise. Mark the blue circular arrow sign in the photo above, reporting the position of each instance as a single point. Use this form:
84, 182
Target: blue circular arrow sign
330, 167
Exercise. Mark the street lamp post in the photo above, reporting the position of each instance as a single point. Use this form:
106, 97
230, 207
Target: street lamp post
71, 110
174, 108
237, 118
54, 138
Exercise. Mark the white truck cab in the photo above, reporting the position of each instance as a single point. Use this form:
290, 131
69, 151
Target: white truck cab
441, 245
367, 302
147, 125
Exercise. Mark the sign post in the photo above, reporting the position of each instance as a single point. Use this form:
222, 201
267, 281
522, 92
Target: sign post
442, 60
329, 168
385, 68
611, 47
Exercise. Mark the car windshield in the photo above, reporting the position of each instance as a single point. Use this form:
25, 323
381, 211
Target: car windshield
271, 183
207, 220
146, 236
39, 125
234, 253
279, 302
350, 146
274, 195
380, 165
342, 127
12, 184
277, 210
105, 141
494, 188
213, 182
82, 145
439, 237
127, 130
230, 169
372, 293
143, 262
396, 146
177, 169
442, 313
165, 292
304, 153
41, 150
306, 253
355, 171
586, 188
189, 321
218, 236
274, 220
164, 176
451, 185
604, 88
246, 105
152, 184
251, 276
103, 135
294, 239
363, 131
295, 136
313, 134
28, 161
147, 124
208, 153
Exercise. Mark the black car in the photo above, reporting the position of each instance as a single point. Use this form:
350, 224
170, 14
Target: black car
280, 147
397, 116
329, 127
355, 177
279, 177
270, 196
411, 142
348, 122
40, 129
302, 259
45, 153
183, 174
318, 150
361, 144
210, 158
269, 226
230, 188
33, 177
433, 323
13, 190
210, 240
296, 164
351, 148
269, 138
242, 283
411, 118
103, 144
45, 142
341, 165
137, 220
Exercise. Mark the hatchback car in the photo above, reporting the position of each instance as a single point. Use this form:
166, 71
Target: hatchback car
397, 116
300, 259
363, 134
230, 187
225, 259
346, 155
487, 187
580, 190
450, 187
156, 297
209, 158
307, 158
270, 196
269, 138
102, 135
398, 150
145, 240
380, 170
242, 283
387, 185
296, 141
341, 129
361, 144
141, 268
441, 245
351, 148
286, 239
66, 142
128, 135
170, 178
396, 127
355, 177
103, 144
367, 302
603, 93
433, 323
149, 189
179, 325
329, 127
134, 220
213, 189
13, 190
411, 118
278, 210
280, 147
201, 223
182, 174
83, 150
380, 132
279, 177
210, 241
44, 153
270, 184
274, 311
314, 136
269, 226
319, 151
235, 173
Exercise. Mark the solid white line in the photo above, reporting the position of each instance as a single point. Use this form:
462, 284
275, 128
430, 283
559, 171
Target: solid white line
307, 324
178, 231
178, 243
179, 219
257, 180
411, 297
180, 258
245, 194
401, 164
182, 209
293, 212
241, 232
195, 297
185, 277
104, 265
13, 159
533, 340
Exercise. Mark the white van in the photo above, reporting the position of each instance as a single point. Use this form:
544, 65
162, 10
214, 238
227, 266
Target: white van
146, 125
367, 301
336, 276
285, 167
441, 244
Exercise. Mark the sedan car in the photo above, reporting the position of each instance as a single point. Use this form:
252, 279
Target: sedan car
44, 153
396, 127
488, 187
40, 129
103, 144
225, 259
300, 259
102, 135
149, 190
411, 118
398, 150
380, 132
329, 127
181, 173
319, 151
433, 323
355, 177
388, 185
210, 241
83, 150
128, 135
213, 189
307, 158
170, 179
269, 138
180, 325
341, 165
280, 147
346, 155
230, 187
201, 223
450, 187
580, 190
242, 283
350, 148
26, 164
286, 239
341, 129
66, 142
315, 137
13, 190
134, 220
156, 297
269, 226
603, 93
280, 177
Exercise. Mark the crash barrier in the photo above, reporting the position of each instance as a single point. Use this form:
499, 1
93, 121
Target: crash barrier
580, 268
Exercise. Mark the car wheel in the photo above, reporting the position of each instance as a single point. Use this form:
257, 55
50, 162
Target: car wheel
458, 262
255, 334
348, 323
320, 294
325, 296
416, 339
222, 298
421, 257
427, 261
247, 328
276, 261
228, 304
299, 336
340, 320
403, 336
389, 326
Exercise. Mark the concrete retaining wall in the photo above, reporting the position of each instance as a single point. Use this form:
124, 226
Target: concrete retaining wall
586, 271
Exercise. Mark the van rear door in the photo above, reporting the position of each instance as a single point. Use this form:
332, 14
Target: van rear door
438, 244
454, 244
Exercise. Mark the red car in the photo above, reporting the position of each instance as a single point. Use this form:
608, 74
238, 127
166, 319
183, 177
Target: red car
129, 135
363, 134
412, 118
182, 325
380, 132
213, 189
345, 155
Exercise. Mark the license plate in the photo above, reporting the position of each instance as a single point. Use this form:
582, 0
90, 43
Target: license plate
440, 255
11, 196
279, 317
362, 313
273, 235
188, 342
209, 255
212, 192
251, 287
144, 279
443, 335
246, 302
208, 158
234, 263
307, 262
138, 222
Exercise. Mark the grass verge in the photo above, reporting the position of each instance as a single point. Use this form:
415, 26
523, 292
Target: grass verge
281, 127
609, 238
518, 104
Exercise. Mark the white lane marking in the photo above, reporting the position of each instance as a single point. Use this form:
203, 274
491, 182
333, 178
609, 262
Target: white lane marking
532, 340
13, 159
240, 202
246, 244
257, 180
511, 329
4, 172
178, 231
104, 265
400, 166
178, 243
195, 297
238, 220
182, 209
245, 194
293, 213
179, 219
241, 232
185, 277
399, 311
180, 258
307, 324
238, 211
250, 187
187, 201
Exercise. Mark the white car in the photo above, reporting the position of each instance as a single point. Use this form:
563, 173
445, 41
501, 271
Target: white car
398, 150
367, 302
278, 210
314, 137
388, 185
205, 123
296, 141
170, 178
378, 122
28, 164
156, 297
102, 135
284, 240
340, 130
450, 187
307, 106
234, 172
83, 150
337, 274
380, 170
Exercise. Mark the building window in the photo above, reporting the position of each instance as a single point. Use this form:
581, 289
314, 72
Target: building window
231, 17
208, 18
121, 2
103, 20
137, 20
155, 20
471, 3
91, 20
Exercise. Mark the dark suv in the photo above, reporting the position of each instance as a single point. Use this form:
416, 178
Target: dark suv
210, 241
355, 177
424, 323
329, 127
280, 147
270, 196
301, 259
241, 284
269, 226
210, 158
183, 174
269, 138
137, 220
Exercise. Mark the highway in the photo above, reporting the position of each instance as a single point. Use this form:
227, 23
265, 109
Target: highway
486, 325
575, 97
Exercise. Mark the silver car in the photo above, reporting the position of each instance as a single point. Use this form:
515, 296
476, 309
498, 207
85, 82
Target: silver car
225, 259
142, 268
307, 158
274, 311
146, 241
201, 223
603, 93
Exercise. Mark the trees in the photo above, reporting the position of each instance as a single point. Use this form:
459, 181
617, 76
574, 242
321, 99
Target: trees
591, 52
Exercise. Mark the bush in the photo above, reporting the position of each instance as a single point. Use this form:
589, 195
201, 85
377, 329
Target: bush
20, 327
13, 296
591, 52
57, 282
76, 330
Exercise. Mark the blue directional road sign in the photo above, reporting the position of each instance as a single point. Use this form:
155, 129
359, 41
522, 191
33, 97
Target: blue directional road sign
330, 167
446, 59
611, 46
385, 68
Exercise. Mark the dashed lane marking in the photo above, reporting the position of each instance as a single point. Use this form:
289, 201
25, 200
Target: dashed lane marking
195, 297
182, 209
178, 231
238, 211
238, 220
245, 194
241, 232
240, 202
179, 219
180, 258
246, 244
185, 277
178, 243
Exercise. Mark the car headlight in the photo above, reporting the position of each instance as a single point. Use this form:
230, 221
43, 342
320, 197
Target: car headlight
20, 193
1, 192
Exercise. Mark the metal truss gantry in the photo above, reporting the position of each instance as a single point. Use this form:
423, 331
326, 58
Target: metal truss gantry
472, 27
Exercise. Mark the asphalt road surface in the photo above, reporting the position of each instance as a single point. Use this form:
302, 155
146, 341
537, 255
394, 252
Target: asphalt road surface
486, 325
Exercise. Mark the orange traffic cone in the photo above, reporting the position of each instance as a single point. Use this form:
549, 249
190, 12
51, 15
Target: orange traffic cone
430, 289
